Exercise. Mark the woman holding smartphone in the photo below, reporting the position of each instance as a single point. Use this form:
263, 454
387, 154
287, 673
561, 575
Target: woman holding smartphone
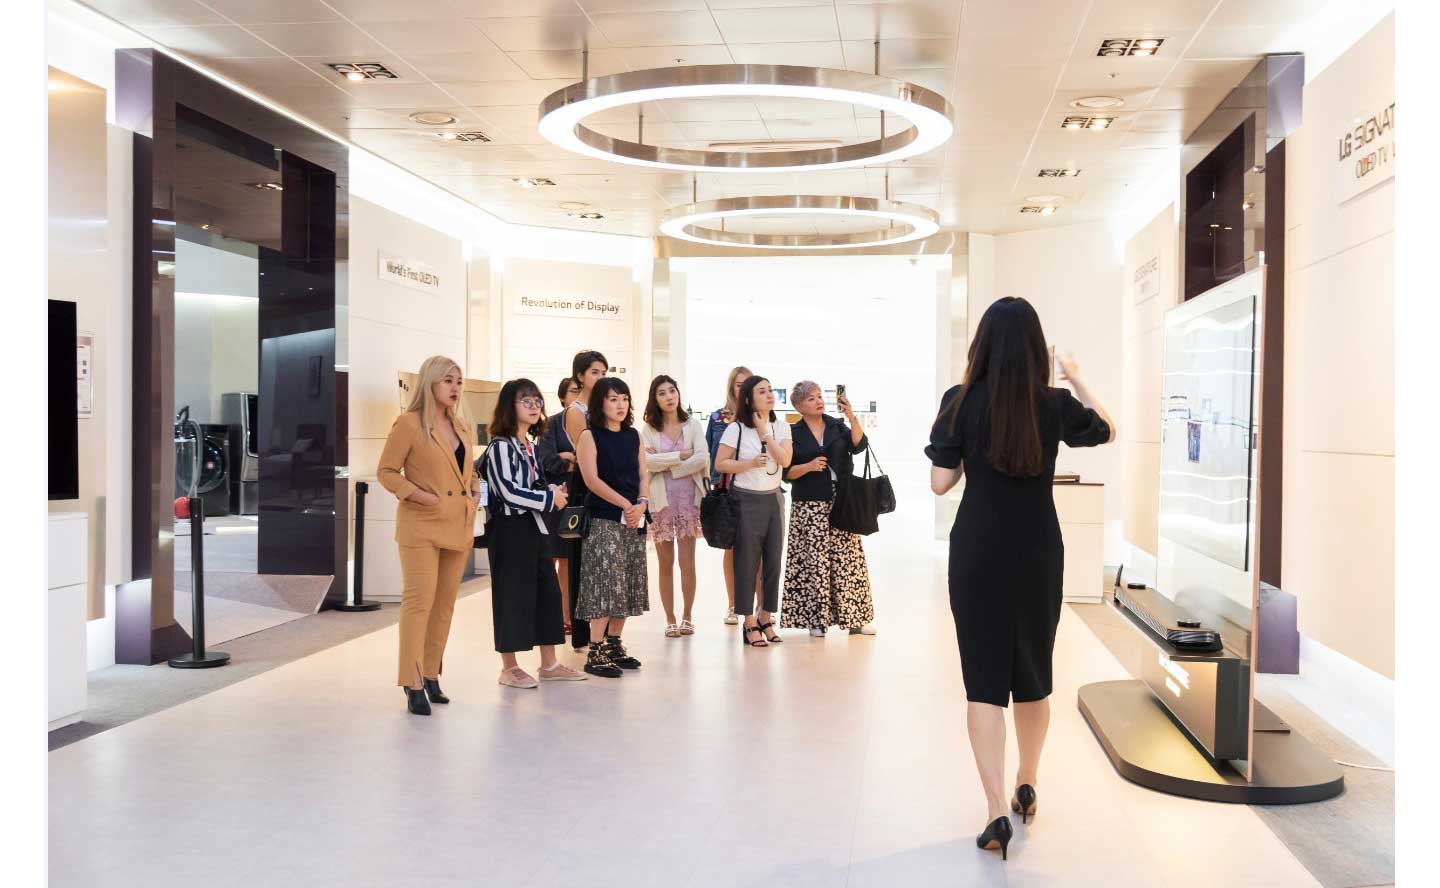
677, 464
613, 580
427, 465
586, 369
1002, 430
557, 460
716, 427
524, 595
755, 448
827, 582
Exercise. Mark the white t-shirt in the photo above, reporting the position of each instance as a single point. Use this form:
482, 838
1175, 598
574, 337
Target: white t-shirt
749, 448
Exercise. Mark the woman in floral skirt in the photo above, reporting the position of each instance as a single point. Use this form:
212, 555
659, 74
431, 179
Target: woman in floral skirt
677, 460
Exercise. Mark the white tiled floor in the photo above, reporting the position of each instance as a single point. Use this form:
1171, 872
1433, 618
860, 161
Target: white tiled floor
835, 762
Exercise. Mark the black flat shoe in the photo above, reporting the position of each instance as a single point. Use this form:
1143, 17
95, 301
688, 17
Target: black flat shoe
418, 704
996, 836
1024, 802
432, 690
598, 663
618, 655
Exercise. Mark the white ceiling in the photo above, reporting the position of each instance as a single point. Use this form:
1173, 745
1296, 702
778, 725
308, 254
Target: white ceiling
1009, 67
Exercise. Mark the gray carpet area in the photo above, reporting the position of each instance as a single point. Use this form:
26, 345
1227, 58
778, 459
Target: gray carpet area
1346, 842
121, 694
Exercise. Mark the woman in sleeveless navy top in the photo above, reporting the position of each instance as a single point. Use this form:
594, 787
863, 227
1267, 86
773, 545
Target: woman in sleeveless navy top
1002, 430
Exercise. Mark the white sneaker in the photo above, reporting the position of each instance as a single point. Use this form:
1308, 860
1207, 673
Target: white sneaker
730, 618
817, 633
867, 629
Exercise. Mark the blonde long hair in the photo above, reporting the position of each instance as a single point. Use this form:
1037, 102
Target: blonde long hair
730, 399
422, 400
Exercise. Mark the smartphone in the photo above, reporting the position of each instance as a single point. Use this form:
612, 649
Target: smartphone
839, 391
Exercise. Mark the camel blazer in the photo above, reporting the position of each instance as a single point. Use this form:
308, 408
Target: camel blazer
410, 461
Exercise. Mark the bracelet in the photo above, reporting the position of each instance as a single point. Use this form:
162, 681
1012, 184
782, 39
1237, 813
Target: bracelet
643, 499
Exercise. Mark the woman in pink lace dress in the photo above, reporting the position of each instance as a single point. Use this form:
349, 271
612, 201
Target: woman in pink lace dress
678, 462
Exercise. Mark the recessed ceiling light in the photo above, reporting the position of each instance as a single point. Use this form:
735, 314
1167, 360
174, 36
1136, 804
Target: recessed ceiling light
1073, 123
1047, 211
1095, 103
362, 71
530, 181
451, 136
1129, 46
1076, 123
590, 215
1101, 122
268, 186
1248, 205
1059, 172
434, 118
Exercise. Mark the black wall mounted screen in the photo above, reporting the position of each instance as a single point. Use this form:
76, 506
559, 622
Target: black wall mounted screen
63, 431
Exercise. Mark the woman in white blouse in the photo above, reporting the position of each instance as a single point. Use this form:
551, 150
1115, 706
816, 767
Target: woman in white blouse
678, 461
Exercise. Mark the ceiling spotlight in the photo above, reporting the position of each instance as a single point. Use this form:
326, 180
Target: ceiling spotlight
1095, 103
450, 136
1075, 123
1248, 205
1047, 211
268, 186
1059, 172
434, 118
590, 215
530, 182
1031, 209
205, 227
1129, 46
362, 71
1101, 122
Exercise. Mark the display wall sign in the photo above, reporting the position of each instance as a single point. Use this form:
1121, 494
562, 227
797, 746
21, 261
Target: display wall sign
407, 273
1365, 152
589, 308
85, 375
1145, 282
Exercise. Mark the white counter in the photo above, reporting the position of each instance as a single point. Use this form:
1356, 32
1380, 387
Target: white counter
65, 614
1081, 509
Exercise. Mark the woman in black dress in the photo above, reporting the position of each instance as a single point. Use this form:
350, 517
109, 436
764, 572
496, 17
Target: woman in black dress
1002, 429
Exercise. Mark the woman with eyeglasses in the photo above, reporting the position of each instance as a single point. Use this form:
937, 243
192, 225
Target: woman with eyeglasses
677, 464
827, 582
557, 459
524, 595
716, 427
614, 584
1002, 430
755, 448
587, 368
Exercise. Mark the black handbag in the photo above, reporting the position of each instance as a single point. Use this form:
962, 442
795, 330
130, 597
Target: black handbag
719, 516
574, 523
861, 500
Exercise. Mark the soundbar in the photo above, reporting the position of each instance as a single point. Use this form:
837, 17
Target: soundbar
1168, 621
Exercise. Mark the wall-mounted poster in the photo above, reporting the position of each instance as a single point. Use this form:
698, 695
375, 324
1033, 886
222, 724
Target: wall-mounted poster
85, 375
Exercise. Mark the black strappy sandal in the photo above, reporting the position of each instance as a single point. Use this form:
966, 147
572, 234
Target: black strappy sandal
745, 637
773, 639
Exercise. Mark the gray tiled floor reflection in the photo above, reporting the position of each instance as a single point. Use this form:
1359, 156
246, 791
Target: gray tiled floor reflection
837, 762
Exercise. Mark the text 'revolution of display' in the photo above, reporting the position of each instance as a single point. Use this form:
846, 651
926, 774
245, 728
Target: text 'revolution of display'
407, 273
567, 307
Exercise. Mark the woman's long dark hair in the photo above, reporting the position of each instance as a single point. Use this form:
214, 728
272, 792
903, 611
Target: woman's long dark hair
506, 421
596, 408
745, 405
654, 416
1009, 357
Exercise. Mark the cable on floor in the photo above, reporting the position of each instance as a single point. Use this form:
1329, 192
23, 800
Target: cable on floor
1364, 767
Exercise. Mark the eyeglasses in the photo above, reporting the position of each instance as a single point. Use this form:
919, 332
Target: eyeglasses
531, 403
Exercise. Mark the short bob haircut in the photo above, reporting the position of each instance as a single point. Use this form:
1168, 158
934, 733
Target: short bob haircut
745, 409
595, 416
506, 421
802, 390
654, 416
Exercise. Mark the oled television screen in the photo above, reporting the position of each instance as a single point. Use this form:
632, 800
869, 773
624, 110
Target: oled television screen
62, 429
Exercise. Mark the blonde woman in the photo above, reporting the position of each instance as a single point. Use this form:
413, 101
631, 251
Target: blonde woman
429, 465
718, 421
677, 464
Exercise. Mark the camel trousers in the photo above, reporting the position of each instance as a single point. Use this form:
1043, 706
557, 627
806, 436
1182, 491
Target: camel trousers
432, 580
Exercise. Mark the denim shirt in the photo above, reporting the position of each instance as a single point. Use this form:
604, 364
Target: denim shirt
713, 430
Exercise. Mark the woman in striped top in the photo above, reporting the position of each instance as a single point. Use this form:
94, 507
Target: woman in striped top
524, 595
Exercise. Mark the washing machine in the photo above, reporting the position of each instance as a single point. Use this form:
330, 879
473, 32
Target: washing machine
214, 481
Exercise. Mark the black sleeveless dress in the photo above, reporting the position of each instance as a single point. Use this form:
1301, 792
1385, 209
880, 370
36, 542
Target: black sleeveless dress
1007, 559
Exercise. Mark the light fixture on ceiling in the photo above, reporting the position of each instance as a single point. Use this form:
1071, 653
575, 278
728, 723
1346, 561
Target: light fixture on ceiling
774, 144
1248, 205
1059, 172
531, 181
434, 118
1042, 211
1129, 46
359, 71
268, 186
1096, 103
1078, 123
591, 215
563, 112
452, 136
896, 222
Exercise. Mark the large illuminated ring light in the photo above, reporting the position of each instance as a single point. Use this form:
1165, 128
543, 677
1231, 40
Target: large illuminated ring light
896, 222
927, 112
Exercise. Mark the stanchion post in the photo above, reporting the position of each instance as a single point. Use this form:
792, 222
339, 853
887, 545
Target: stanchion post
357, 601
198, 658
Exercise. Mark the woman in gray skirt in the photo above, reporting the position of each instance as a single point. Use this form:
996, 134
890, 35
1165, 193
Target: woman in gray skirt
755, 448
613, 582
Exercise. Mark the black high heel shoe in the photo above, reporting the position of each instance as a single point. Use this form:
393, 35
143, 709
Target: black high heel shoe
765, 631
996, 835
1024, 802
432, 690
760, 642
417, 702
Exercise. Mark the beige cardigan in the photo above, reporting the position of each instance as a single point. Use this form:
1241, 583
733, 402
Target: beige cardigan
697, 467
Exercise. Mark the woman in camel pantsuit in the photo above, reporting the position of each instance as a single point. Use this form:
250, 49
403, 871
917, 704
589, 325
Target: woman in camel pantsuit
427, 463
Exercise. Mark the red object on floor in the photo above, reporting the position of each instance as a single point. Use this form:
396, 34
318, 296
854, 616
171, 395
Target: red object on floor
569, 629
182, 507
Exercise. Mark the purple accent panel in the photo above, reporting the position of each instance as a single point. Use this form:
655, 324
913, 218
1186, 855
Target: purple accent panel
1278, 645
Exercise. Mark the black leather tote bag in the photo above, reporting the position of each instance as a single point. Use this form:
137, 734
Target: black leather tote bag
719, 515
861, 500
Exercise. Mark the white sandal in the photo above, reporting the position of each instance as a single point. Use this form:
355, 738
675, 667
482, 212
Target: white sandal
672, 631
687, 627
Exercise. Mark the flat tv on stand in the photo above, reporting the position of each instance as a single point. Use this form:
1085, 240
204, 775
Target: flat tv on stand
63, 448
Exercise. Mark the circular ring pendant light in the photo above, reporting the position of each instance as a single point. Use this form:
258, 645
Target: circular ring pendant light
563, 112
896, 222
